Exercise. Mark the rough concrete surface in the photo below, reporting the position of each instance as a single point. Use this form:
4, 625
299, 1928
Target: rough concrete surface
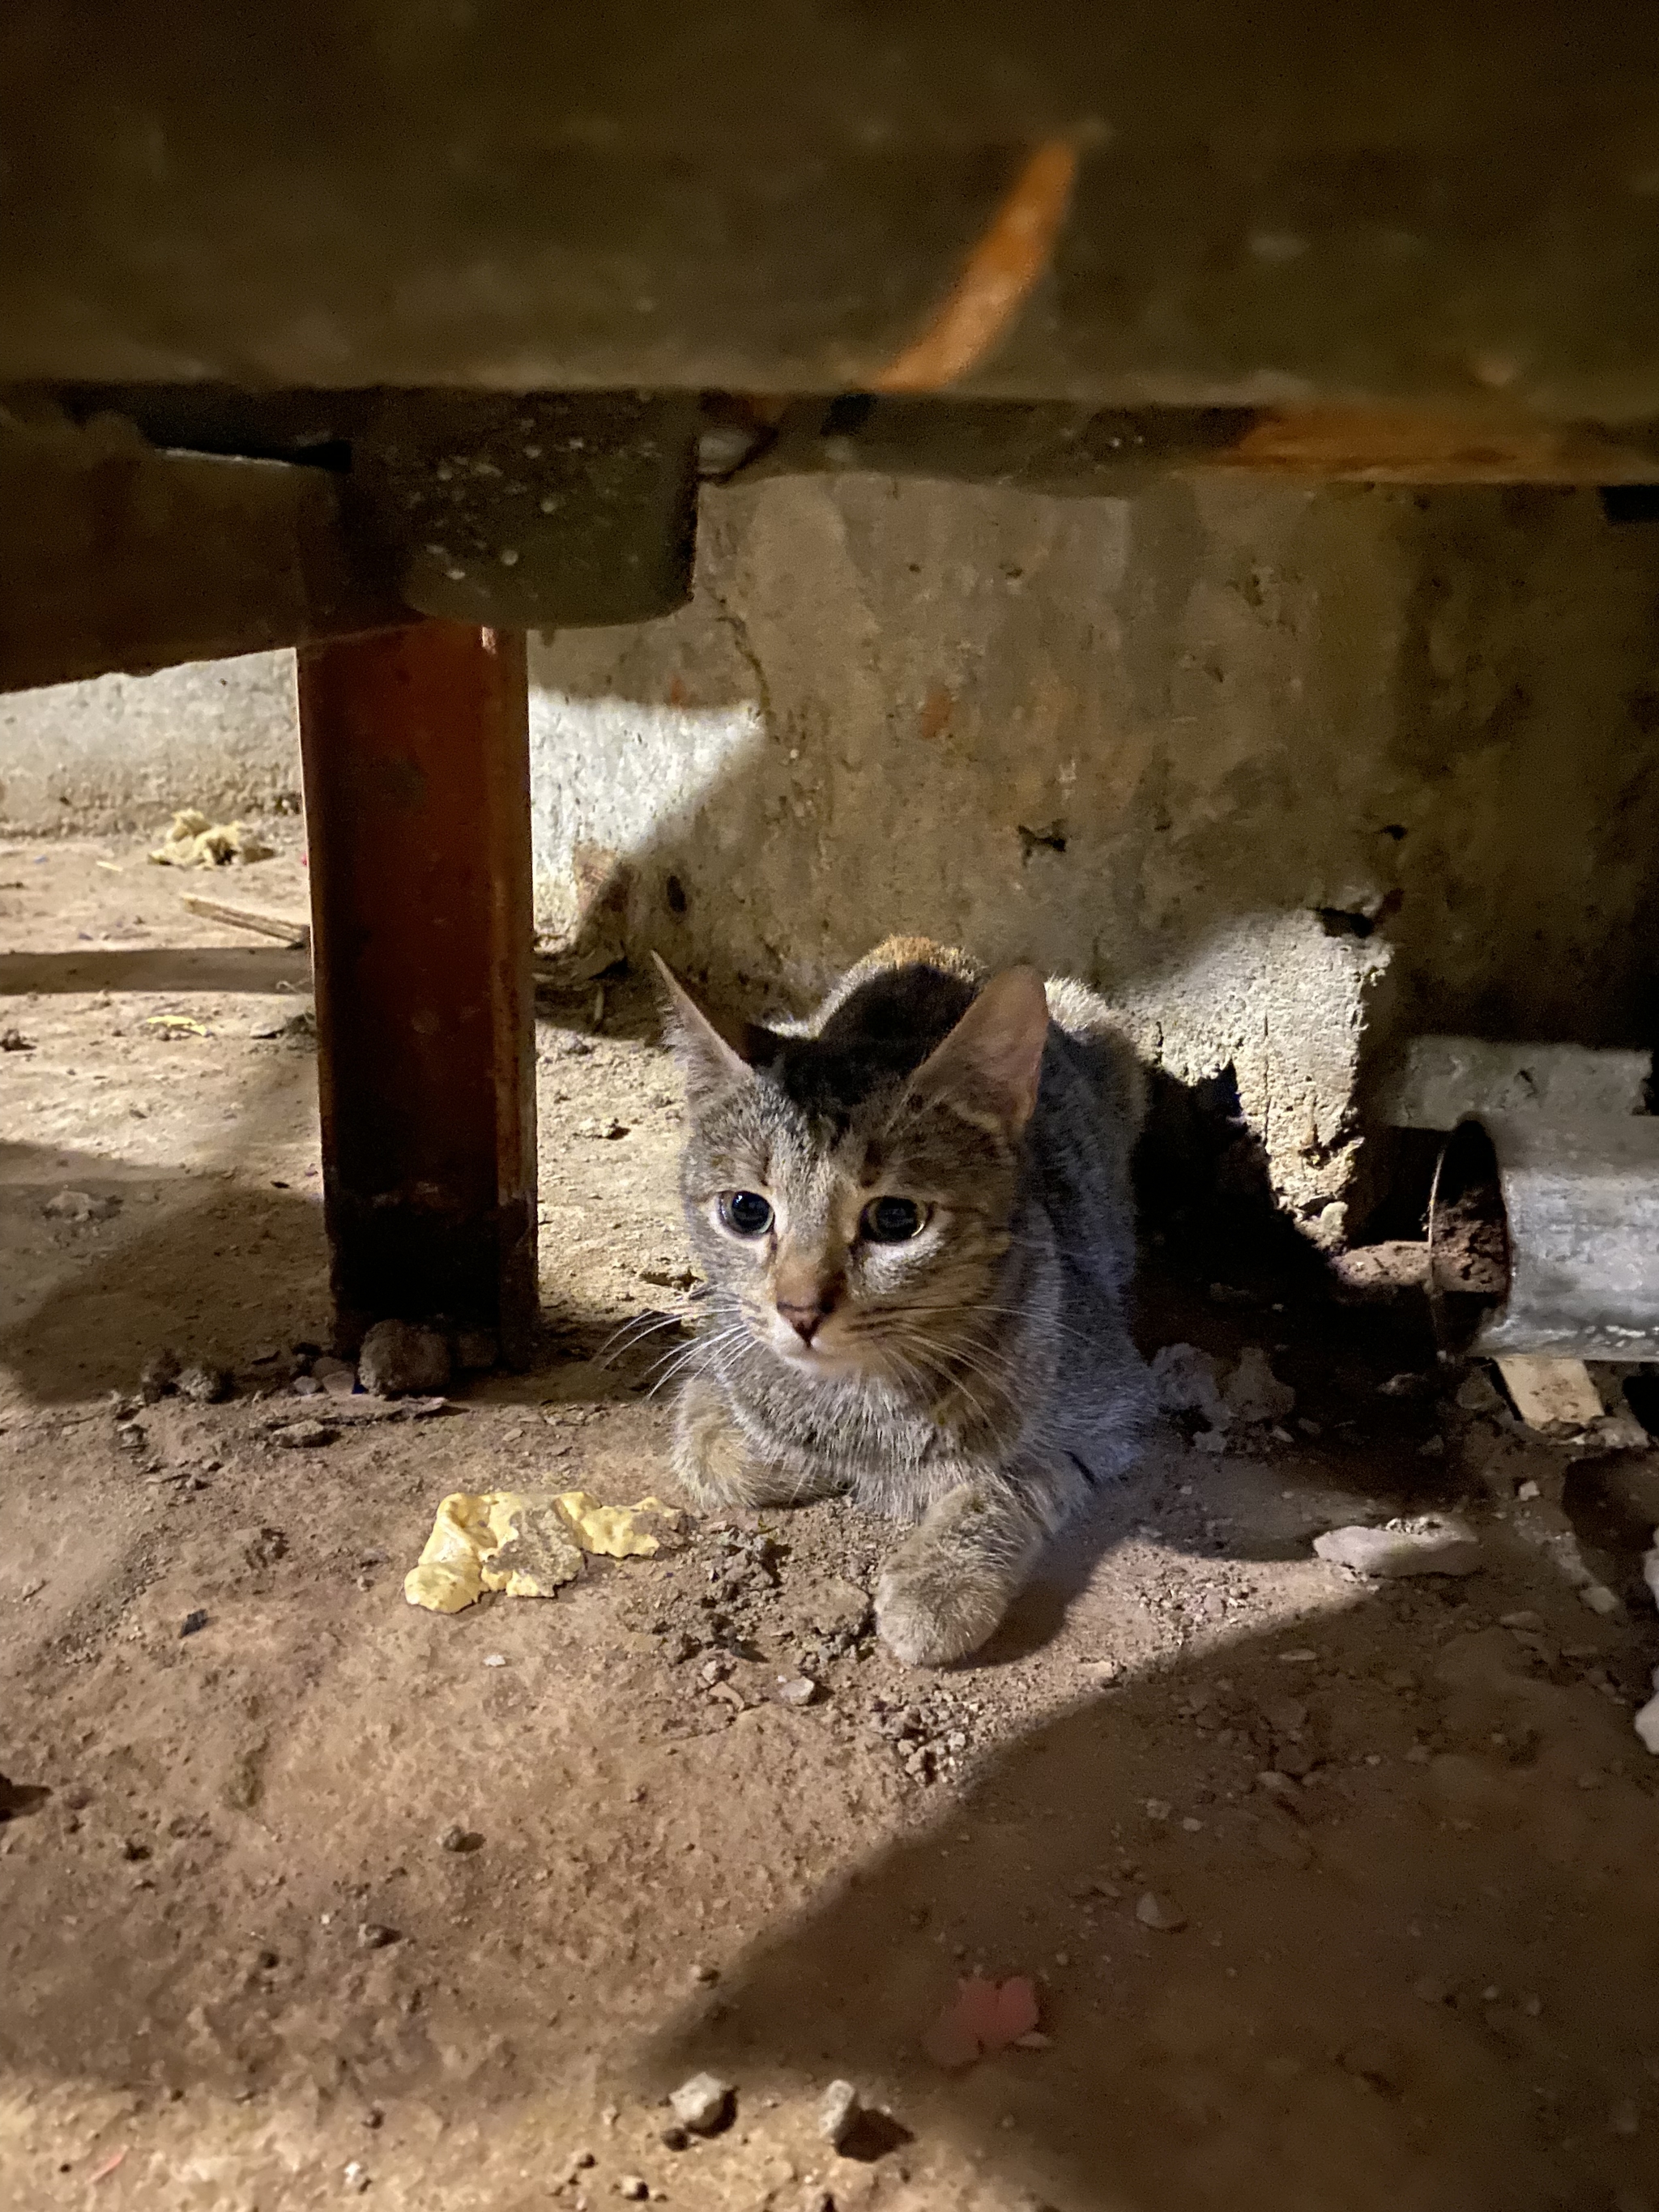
1235, 751
1333, 1893
1289, 773
122, 752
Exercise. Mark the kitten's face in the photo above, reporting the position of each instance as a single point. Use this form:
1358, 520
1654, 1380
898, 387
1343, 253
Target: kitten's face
855, 1207
863, 1249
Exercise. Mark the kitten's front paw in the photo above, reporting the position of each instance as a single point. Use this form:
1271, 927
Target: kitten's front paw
930, 1609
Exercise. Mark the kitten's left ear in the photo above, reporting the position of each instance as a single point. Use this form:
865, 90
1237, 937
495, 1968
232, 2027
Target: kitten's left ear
708, 1059
989, 1066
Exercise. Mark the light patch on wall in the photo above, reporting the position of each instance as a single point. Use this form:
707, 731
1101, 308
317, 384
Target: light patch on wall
608, 774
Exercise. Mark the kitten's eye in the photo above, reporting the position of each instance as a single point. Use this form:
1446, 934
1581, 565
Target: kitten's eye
890, 1220
746, 1212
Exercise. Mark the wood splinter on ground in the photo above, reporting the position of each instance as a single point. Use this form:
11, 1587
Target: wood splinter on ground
287, 928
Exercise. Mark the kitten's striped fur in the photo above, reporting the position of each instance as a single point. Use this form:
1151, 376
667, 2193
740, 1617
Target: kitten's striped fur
978, 1379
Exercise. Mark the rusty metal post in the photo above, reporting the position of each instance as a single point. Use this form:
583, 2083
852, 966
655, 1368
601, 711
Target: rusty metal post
416, 746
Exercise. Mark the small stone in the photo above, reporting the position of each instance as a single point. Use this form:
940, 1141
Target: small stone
458, 1838
157, 1375
130, 1437
356, 2177
797, 1690
374, 1936
338, 1377
1599, 1598
303, 1436
80, 1205
1430, 1989
398, 1360
1187, 1381
1161, 1913
305, 1386
193, 1622
1406, 1385
673, 2137
702, 2104
1434, 1547
1254, 1393
838, 2113
705, 1973
634, 2187
204, 1385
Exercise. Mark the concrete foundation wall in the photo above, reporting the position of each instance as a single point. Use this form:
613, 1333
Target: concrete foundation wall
1283, 771
123, 751
1288, 773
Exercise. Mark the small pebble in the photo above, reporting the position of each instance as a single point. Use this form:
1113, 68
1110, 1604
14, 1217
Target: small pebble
702, 2104
495, 1659
157, 1376
194, 1623
1161, 1913
838, 2113
632, 2186
374, 1936
207, 1386
458, 1838
356, 2177
797, 1690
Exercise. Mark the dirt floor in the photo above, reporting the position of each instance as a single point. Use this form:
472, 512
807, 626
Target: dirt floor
1336, 1894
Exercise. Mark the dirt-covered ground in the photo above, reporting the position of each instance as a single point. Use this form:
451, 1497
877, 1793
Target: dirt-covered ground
1336, 1895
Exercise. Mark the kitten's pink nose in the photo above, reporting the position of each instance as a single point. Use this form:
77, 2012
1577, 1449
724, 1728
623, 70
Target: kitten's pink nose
804, 1320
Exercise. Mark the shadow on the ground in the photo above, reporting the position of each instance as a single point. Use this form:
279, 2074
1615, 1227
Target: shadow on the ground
159, 968
1425, 1984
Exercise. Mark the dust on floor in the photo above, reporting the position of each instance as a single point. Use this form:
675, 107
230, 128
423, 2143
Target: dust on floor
327, 1896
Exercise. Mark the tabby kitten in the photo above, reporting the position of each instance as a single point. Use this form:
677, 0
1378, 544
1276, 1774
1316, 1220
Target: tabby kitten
914, 1215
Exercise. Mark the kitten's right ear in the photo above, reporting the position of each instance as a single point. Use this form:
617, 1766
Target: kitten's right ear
710, 1060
